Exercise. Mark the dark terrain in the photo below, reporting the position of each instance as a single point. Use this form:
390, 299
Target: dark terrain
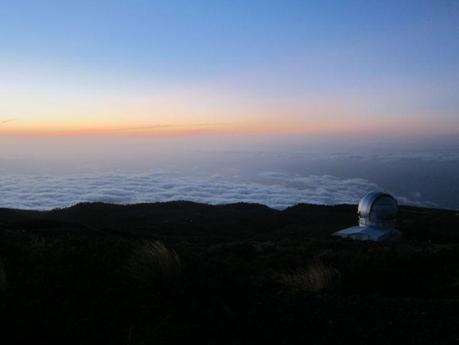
185, 273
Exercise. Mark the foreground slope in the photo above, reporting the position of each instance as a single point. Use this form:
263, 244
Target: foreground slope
227, 274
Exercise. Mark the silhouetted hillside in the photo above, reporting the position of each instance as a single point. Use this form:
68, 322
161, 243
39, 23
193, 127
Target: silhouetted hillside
181, 272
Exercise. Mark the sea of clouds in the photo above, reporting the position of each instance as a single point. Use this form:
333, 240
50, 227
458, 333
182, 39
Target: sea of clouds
273, 189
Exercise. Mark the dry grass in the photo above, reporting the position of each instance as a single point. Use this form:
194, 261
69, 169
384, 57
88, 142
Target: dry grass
152, 262
316, 277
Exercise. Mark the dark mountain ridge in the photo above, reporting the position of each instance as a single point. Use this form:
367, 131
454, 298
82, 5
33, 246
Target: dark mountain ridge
180, 217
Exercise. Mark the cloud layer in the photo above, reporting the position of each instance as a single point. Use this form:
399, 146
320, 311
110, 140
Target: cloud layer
274, 189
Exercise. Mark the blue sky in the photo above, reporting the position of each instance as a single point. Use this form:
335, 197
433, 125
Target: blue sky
375, 59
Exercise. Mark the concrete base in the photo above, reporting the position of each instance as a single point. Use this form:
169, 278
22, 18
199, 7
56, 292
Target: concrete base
368, 233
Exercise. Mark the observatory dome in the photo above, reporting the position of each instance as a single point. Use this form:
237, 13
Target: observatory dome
377, 213
377, 209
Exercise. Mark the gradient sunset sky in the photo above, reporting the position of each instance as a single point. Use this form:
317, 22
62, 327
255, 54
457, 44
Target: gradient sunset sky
179, 67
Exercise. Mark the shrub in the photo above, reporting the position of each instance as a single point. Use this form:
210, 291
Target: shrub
316, 277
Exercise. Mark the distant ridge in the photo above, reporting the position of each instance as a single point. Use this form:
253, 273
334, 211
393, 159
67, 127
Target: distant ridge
185, 217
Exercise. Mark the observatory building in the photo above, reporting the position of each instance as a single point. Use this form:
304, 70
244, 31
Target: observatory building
377, 213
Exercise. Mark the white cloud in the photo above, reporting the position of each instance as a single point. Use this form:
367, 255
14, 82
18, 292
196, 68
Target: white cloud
276, 190
427, 156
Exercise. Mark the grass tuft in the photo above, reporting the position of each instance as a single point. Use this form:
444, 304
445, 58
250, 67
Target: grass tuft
153, 262
316, 277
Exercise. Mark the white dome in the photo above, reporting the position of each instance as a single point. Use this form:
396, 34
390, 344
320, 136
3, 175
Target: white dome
377, 209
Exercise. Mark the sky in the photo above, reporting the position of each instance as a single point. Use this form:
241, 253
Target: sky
202, 68
272, 102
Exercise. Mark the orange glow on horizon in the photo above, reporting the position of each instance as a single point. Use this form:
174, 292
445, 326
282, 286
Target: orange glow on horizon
67, 109
271, 127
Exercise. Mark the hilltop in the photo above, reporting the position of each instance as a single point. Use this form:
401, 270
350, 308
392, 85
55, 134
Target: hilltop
178, 272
